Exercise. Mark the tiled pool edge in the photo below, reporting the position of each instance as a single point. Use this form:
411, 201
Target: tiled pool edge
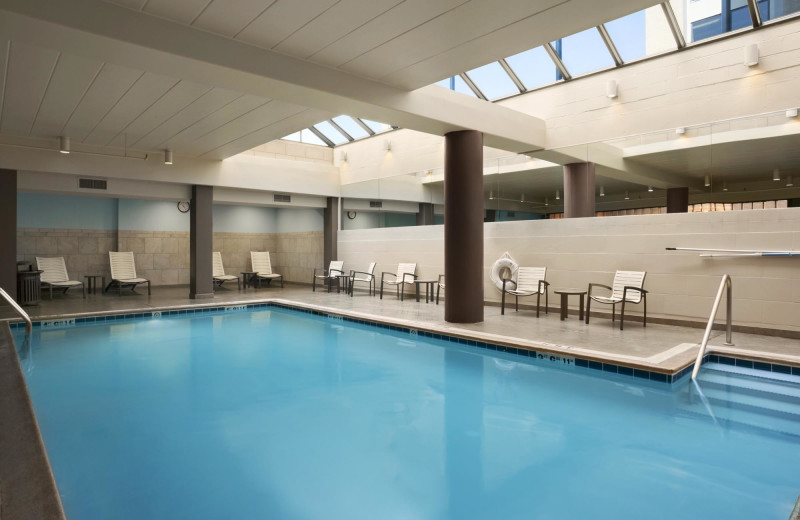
594, 364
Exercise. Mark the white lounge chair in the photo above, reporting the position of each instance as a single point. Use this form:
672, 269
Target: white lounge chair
627, 287
123, 272
54, 274
526, 282
329, 275
367, 277
405, 275
262, 267
219, 272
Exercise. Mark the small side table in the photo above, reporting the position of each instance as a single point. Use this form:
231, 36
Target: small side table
343, 279
247, 278
429, 284
91, 282
565, 294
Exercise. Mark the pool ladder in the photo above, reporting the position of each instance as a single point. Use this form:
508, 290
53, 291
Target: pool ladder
724, 284
15, 305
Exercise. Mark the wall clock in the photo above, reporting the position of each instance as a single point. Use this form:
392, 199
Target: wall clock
184, 206
351, 215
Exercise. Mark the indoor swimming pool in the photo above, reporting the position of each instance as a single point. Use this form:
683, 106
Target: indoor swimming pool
282, 414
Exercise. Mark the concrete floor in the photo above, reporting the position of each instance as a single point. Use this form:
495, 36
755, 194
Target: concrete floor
662, 348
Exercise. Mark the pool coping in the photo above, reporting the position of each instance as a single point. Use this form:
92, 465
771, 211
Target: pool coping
527, 348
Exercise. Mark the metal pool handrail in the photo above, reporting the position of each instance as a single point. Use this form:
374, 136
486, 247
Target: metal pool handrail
726, 283
22, 313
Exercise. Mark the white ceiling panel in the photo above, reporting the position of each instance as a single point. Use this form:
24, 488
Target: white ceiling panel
341, 19
213, 121
282, 19
383, 28
229, 17
182, 11
141, 96
111, 83
246, 124
29, 71
71, 79
207, 104
175, 100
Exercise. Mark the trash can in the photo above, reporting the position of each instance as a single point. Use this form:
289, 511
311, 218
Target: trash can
29, 284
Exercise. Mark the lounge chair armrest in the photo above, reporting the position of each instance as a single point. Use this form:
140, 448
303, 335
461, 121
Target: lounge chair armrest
441, 279
508, 280
592, 285
546, 285
335, 272
412, 275
324, 271
353, 273
385, 273
632, 288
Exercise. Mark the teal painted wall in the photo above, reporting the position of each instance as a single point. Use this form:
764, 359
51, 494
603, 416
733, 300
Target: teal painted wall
50, 210
151, 215
245, 219
295, 220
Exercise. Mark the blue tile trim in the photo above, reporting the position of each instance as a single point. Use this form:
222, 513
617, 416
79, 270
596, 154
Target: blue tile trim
579, 362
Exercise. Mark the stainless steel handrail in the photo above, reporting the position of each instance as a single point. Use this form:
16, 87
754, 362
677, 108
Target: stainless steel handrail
726, 283
22, 313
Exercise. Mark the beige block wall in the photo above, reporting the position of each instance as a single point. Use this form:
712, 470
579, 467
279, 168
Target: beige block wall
160, 256
85, 251
576, 252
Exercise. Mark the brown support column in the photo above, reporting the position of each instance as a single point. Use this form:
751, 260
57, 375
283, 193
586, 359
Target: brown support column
463, 226
201, 240
579, 190
331, 232
425, 215
677, 200
8, 231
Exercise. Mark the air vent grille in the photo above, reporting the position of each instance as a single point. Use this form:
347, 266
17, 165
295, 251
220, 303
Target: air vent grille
93, 184
281, 198
376, 204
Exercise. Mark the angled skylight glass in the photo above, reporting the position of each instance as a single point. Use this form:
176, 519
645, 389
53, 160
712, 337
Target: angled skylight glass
708, 19
377, 127
493, 81
777, 9
294, 137
331, 133
307, 136
534, 67
351, 127
583, 52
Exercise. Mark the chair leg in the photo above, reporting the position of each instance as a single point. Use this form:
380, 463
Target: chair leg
613, 311
516, 303
503, 304
538, 298
314, 284
588, 308
546, 302
622, 315
381, 288
438, 287
644, 320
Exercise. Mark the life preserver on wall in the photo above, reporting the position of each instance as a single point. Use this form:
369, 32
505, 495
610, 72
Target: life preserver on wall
504, 267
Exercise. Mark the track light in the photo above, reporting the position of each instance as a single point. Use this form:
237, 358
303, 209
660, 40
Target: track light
776, 174
558, 194
491, 195
602, 191
792, 112
522, 197
167, 156
627, 197
789, 182
611, 88
724, 185
63, 144
546, 201
680, 130
650, 189
751, 55
707, 181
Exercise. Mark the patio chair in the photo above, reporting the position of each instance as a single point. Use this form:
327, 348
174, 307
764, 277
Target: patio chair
218, 272
262, 267
627, 287
367, 277
329, 275
439, 287
123, 272
527, 281
54, 274
405, 275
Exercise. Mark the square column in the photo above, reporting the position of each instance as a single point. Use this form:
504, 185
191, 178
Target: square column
463, 226
425, 214
201, 240
579, 190
330, 216
8, 231
677, 200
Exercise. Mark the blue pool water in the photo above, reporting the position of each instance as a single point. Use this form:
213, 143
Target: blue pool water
283, 415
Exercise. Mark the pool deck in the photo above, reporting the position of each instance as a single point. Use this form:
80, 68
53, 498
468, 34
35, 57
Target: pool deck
657, 347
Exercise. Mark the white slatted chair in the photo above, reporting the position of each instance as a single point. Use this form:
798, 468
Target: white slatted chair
54, 274
218, 272
439, 287
123, 272
405, 275
328, 276
527, 281
367, 277
627, 287
262, 267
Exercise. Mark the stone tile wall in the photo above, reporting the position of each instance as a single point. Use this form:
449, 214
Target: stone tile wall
85, 251
161, 256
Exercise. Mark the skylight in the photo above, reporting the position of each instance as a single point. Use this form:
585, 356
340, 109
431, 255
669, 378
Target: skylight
341, 129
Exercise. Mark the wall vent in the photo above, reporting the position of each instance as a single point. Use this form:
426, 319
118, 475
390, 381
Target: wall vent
376, 204
93, 184
281, 198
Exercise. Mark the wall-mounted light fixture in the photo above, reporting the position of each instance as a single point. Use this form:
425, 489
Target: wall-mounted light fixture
776, 174
789, 182
650, 189
491, 195
343, 156
680, 130
63, 144
611, 88
558, 194
724, 185
387, 145
751, 55
627, 197
167, 156
792, 112
707, 181
602, 191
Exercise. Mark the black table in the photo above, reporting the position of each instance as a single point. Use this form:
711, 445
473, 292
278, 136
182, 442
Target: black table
247, 278
91, 282
429, 285
340, 279
565, 294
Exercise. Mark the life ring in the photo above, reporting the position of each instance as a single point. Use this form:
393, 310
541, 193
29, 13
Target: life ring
504, 267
